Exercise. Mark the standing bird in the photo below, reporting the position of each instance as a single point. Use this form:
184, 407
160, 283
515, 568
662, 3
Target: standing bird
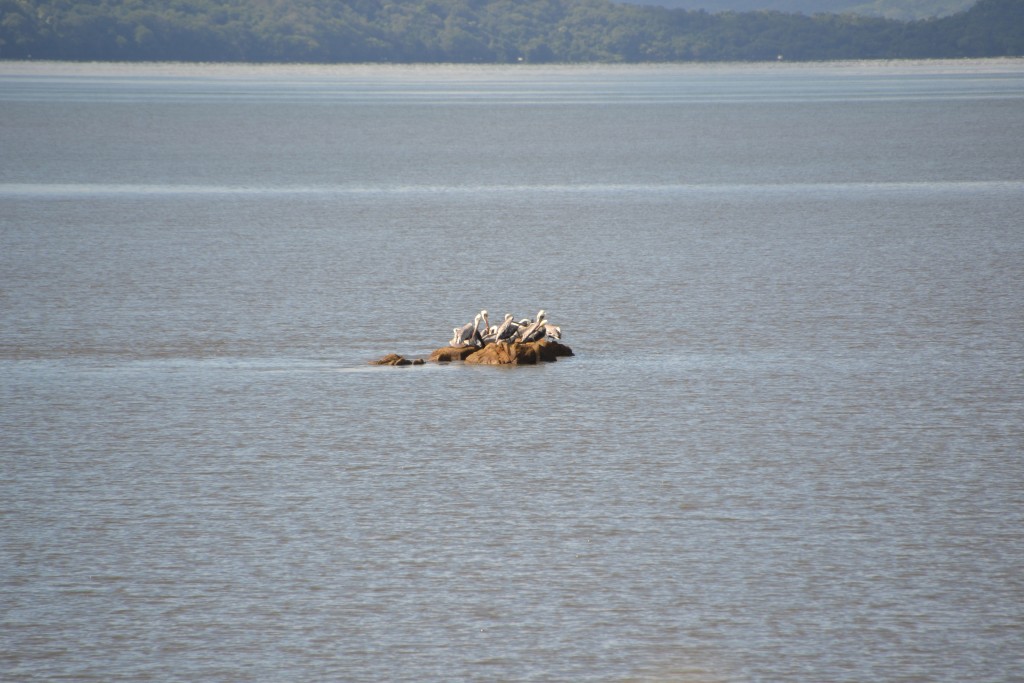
491, 335
469, 335
535, 331
552, 331
507, 330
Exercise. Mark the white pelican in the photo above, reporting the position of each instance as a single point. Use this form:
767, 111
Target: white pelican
491, 335
536, 329
469, 335
507, 330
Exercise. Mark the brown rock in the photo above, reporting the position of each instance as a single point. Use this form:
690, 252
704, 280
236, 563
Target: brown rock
519, 354
447, 354
503, 353
393, 359
549, 351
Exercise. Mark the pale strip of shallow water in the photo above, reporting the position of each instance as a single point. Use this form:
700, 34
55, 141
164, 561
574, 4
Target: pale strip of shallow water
458, 85
47, 190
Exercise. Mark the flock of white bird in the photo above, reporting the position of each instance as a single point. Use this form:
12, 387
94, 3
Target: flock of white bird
480, 332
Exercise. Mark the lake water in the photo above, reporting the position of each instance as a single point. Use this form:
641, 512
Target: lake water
790, 446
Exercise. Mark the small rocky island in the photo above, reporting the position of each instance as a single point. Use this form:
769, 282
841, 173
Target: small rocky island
522, 342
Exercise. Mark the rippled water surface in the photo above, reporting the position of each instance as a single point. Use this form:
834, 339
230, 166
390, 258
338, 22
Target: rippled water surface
790, 446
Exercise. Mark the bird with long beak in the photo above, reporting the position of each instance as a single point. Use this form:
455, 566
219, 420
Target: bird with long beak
469, 334
507, 330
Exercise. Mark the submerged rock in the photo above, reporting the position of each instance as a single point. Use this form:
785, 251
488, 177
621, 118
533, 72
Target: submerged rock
395, 359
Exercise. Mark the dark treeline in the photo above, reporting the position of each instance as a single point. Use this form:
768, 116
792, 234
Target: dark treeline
493, 31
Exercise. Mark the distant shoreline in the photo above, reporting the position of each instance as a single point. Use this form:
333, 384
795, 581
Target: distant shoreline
453, 31
72, 67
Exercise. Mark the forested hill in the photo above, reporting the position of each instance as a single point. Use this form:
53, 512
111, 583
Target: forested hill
894, 9
494, 31
891, 9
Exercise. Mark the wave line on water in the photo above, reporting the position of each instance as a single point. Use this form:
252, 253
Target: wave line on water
57, 190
